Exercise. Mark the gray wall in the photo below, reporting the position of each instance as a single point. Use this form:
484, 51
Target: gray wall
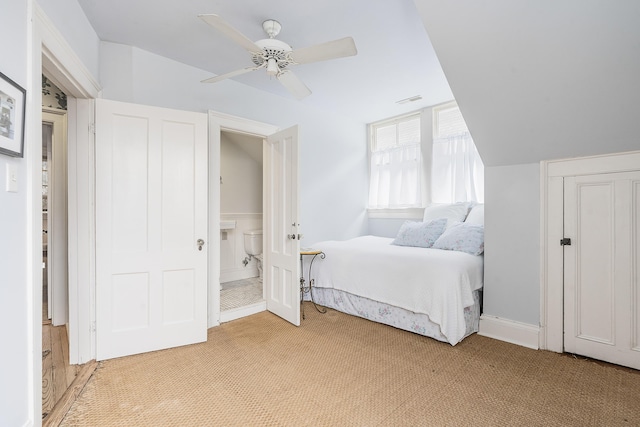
241, 188
512, 242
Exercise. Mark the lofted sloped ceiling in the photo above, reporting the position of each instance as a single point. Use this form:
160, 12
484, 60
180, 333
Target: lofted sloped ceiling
542, 79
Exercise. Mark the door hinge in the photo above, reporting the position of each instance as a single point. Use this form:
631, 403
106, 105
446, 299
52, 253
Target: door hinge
92, 128
565, 241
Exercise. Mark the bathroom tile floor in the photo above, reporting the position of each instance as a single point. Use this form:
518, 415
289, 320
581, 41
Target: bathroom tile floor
240, 293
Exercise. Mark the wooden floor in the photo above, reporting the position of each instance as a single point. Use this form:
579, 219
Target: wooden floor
57, 374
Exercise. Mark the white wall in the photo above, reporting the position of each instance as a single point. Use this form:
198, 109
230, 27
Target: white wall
16, 361
333, 165
241, 185
512, 242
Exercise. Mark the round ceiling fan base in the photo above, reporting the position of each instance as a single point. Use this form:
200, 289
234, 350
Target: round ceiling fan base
271, 27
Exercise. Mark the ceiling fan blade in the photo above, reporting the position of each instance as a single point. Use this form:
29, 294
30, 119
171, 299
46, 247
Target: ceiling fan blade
229, 75
221, 25
322, 52
293, 84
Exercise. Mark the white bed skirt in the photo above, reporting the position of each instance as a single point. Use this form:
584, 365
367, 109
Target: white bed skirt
391, 315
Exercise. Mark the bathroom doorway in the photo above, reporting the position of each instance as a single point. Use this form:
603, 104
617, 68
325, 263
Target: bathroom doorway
241, 219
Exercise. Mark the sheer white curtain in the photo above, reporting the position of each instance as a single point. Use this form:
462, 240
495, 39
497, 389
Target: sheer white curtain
395, 177
457, 171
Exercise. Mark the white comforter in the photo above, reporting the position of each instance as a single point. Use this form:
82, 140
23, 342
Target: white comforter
434, 282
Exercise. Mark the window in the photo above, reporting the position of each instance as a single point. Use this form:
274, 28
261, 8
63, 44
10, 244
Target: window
457, 171
423, 158
396, 160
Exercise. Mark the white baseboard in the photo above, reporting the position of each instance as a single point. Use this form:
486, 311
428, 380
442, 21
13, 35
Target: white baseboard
229, 315
511, 331
240, 274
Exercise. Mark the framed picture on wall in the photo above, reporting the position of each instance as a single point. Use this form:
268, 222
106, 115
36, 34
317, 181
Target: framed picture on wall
12, 112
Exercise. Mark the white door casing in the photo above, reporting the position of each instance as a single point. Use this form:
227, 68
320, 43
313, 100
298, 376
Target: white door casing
601, 293
281, 272
217, 123
151, 209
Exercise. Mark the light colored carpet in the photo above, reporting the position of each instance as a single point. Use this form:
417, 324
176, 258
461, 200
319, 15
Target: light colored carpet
339, 370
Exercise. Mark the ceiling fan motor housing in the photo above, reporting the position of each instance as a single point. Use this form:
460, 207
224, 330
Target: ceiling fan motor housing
273, 49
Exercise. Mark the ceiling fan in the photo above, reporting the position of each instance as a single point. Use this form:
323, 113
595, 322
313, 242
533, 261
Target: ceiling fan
276, 56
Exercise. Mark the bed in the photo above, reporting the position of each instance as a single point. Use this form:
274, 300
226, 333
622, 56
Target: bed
427, 281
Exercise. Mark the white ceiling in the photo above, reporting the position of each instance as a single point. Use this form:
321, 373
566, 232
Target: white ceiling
395, 58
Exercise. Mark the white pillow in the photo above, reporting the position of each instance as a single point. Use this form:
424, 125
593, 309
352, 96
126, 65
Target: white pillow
476, 216
420, 234
456, 212
462, 237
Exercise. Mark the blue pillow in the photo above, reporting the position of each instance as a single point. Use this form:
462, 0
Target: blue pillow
420, 234
462, 237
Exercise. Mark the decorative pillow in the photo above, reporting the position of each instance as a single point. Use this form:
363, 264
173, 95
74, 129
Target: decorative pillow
420, 234
462, 237
476, 216
456, 212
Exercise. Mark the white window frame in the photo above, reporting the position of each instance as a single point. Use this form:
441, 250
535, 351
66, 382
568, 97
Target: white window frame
426, 136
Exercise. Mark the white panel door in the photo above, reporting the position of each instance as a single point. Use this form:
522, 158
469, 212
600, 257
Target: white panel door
601, 292
57, 236
151, 209
281, 272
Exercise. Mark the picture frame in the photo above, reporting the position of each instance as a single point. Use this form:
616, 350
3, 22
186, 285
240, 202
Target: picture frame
12, 117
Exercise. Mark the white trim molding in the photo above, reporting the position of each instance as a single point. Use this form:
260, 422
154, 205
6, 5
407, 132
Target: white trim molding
237, 313
240, 216
510, 331
64, 67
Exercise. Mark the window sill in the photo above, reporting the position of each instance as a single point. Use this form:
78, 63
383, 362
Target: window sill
396, 213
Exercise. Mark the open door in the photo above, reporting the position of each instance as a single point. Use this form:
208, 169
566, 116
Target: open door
54, 192
151, 222
281, 272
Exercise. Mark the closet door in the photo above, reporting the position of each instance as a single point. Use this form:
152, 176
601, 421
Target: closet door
601, 292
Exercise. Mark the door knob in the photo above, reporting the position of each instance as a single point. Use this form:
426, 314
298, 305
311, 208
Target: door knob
291, 236
200, 243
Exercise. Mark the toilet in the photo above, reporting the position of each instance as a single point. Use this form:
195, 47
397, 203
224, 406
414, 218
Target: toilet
253, 247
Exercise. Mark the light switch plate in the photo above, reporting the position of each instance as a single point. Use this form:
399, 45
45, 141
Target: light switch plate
12, 178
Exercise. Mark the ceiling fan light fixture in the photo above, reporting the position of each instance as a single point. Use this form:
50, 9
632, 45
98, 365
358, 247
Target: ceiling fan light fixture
272, 67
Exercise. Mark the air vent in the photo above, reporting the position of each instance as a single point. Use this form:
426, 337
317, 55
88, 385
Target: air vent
408, 100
